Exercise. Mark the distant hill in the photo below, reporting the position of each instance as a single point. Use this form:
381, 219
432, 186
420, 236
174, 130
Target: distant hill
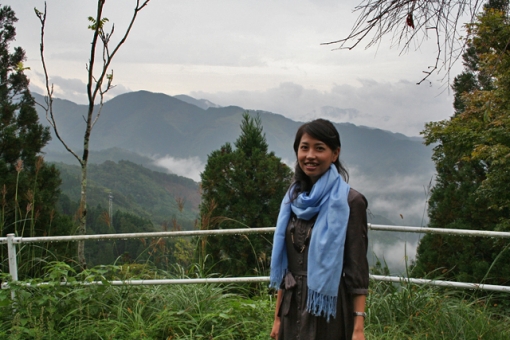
201, 103
135, 189
101, 156
389, 168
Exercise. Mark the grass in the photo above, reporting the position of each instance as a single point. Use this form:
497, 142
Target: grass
409, 311
205, 311
215, 311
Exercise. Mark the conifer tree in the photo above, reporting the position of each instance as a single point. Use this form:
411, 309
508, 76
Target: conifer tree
242, 187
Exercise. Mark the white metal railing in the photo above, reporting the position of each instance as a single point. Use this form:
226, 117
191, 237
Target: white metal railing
451, 284
12, 240
464, 232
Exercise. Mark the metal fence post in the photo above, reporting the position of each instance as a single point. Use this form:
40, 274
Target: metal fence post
13, 263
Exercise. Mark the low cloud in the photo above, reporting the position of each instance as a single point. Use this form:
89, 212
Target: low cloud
396, 256
186, 167
72, 89
401, 199
395, 106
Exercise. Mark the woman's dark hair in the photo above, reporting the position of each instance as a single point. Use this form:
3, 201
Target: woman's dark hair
326, 132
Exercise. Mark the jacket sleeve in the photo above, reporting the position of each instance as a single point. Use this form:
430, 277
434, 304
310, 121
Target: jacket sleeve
355, 271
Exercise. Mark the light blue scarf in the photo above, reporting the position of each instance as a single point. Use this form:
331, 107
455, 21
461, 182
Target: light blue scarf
328, 197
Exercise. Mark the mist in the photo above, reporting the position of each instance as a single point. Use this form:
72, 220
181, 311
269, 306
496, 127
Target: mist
397, 256
190, 167
400, 106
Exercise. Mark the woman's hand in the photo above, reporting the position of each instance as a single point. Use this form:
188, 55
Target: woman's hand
276, 328
358, 335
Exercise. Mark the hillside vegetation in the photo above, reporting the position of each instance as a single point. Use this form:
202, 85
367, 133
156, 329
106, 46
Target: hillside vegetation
154, 195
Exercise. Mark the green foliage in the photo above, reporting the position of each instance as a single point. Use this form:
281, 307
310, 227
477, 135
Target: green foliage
472, 189
162, 252
408, 311
242, 188
29, 187
143, 201
149, 194
110, 251
53, 311
211, 311
93, 24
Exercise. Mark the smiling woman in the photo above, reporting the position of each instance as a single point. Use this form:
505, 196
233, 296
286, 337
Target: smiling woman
319, 263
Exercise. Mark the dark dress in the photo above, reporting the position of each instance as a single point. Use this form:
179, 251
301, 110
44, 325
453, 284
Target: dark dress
295, 322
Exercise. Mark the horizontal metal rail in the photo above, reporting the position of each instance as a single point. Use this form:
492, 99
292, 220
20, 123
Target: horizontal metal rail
99, 237
259, 279
12, 240
152, 282
464, 232
379, 227
452, 284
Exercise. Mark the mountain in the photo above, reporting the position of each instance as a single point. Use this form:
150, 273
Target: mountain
157, 124
201, 103
391, 169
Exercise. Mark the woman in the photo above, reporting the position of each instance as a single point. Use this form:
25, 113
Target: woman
319, 263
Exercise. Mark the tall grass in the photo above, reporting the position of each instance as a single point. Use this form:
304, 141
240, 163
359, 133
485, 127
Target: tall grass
215, 311
205, 311
408, 311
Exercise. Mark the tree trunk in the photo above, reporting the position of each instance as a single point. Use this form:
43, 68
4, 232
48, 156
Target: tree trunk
82, 218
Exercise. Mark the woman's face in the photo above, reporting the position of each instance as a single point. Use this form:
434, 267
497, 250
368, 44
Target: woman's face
315, 157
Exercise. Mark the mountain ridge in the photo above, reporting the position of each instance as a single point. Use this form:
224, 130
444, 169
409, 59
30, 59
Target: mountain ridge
386, 166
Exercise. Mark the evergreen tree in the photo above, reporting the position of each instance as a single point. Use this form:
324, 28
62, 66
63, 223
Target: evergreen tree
242, 187
29, 187
471, 156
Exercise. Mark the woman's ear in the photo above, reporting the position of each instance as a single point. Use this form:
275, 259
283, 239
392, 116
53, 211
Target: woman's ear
336, 154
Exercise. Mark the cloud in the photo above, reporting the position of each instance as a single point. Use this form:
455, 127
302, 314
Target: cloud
72, 89
401, 199
338, 115
186, 167
395, 106
397, 256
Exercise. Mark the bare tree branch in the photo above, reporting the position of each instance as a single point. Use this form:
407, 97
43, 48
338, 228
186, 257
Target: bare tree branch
48, 108
107, 58
408, 21
438, 56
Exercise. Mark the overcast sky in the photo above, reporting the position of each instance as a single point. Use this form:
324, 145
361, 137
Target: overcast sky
261, 54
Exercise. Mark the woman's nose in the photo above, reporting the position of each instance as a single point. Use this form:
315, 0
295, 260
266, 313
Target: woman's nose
310, 154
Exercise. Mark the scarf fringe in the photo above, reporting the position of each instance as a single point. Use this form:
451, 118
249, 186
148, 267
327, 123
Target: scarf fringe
277, 281
319, 304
